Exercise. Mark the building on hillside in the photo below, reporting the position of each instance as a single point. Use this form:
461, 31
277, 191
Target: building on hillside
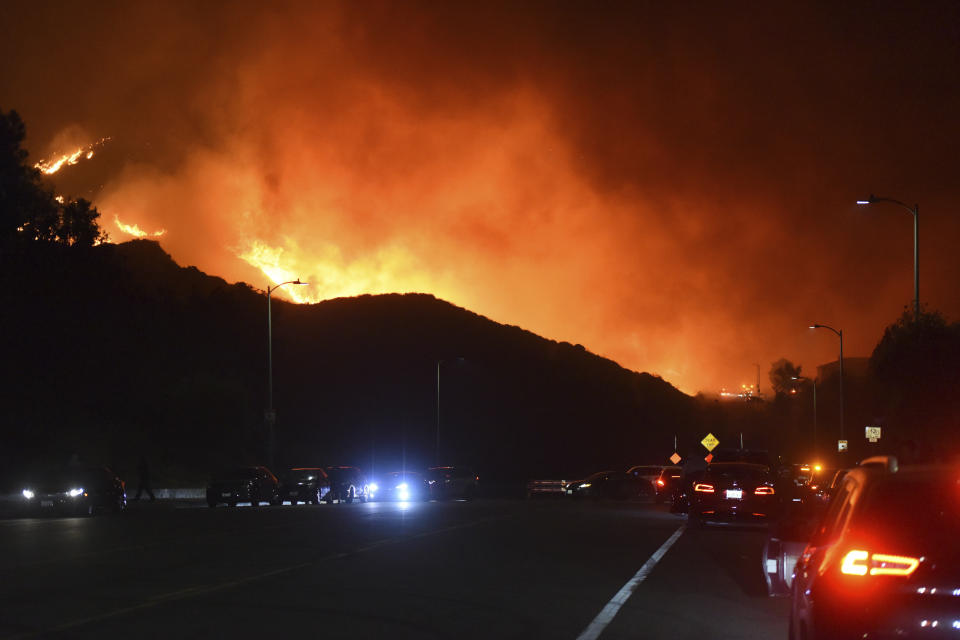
852, 368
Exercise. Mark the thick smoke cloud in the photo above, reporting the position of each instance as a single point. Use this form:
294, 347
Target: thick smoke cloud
670, 186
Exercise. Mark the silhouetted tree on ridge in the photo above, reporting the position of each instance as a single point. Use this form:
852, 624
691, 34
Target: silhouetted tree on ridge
29, 211
782, 374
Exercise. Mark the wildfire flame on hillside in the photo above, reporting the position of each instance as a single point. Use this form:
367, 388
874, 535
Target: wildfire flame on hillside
135, 230
50, 167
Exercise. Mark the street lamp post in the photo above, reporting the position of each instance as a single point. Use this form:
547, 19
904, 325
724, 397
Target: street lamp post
839, 335
436, 456
915, 212
270, 415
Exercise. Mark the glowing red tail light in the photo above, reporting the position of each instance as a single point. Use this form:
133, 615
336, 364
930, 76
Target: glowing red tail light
703, 487
858, 562
763, 491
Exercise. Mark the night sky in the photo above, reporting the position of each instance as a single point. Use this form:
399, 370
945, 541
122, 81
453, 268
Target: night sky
671, 185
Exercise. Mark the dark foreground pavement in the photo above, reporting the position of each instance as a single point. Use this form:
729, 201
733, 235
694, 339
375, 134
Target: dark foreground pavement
484, 569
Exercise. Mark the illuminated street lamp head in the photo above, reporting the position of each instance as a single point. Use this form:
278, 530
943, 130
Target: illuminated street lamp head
813, 326
869, 200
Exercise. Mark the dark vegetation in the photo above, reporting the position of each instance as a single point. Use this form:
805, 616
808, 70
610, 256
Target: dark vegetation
117, 350
911, 390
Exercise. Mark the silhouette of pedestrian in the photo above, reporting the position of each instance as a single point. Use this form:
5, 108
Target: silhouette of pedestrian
144, 470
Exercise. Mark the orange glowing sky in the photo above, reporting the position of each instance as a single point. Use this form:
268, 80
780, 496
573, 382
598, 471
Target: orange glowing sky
672, 188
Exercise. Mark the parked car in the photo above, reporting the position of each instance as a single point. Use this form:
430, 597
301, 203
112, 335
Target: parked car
646, 476
83, 491
244, 484
734, 492
616, 485
304, 484
347, 484
404, 486
884, 561
667, 482
451, 483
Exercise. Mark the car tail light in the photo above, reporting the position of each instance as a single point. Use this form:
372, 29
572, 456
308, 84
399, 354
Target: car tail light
763, 491
858, 562
703, 487
660, 482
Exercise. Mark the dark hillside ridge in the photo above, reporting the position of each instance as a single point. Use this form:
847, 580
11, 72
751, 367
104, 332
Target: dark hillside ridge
117, 350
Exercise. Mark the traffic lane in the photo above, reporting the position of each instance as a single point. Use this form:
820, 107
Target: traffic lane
510, 569
709, 585
99, 565
515, 576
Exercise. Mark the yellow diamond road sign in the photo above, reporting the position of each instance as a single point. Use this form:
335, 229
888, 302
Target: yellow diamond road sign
675, 458
710, 442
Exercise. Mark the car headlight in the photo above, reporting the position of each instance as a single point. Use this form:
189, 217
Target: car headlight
28, 494
403, 494
373, 487
584, 485
73, 493
402, 486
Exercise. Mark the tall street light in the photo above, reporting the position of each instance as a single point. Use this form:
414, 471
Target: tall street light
915, 212
436, 457
270, 415
813, 381
839, 335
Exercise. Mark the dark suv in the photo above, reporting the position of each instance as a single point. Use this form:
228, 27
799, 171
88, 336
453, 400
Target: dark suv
347, 484
244, 484
884, 561
304, 484
457, 483
76, 491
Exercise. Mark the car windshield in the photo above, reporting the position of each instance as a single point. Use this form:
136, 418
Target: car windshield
301, 475
645, 471
238, 474
402, 475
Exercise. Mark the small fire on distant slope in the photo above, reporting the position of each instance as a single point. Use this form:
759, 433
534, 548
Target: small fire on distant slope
135, 230
51, 166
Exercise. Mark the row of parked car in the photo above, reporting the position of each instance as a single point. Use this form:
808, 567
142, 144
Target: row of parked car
313, 485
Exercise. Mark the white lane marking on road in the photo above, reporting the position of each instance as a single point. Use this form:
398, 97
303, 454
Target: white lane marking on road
595, 628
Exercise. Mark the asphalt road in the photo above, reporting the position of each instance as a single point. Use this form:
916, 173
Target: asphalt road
482, 569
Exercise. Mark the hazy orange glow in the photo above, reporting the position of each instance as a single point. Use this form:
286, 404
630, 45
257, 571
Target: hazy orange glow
673, 189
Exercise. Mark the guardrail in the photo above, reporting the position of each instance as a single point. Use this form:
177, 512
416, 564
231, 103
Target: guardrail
545, 487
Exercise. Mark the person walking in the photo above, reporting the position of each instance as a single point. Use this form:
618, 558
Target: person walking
144, 470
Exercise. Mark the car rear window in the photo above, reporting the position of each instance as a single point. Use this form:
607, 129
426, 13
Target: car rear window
913, 508
731, 470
